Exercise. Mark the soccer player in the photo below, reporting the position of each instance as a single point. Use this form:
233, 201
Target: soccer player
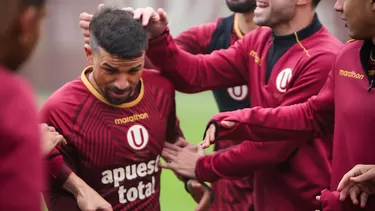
116, 118
343, 106
203, 39
283, 65
20, 146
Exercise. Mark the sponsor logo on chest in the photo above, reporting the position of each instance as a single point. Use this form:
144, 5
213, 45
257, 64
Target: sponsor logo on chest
132, 118
351, 74
120, 175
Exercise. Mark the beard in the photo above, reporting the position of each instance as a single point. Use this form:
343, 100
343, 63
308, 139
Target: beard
241, 6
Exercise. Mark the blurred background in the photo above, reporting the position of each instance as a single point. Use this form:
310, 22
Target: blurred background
60, 58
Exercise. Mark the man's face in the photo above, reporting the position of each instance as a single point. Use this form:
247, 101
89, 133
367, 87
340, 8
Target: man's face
241, 6
359, 16
29, 28
116, 78
273, 12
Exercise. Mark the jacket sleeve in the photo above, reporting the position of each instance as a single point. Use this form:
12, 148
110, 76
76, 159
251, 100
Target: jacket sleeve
313, 118
194, 73
250, 155
196, 39
60, 161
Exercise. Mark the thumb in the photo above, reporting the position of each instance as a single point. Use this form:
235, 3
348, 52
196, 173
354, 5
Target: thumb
100, 7
227, 124
204, 203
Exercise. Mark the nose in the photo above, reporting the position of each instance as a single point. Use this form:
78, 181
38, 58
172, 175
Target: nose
122, 81
339, 5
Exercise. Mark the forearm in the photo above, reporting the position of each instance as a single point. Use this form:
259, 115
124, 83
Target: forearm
242, 160
269, 124
194, 73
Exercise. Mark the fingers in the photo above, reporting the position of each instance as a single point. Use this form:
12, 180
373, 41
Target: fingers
129, 9
162, 15
354, 192
149, 13
43, 126
344, 181
172, 147
170, 166
85, 17
227, 124
363, 199
210, 137
369, 175
100, 7
138, 13
87, 42
51, 129
168, 154
84, 25
345, 191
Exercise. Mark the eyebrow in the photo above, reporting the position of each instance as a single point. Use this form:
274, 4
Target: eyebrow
137, 67
111, 67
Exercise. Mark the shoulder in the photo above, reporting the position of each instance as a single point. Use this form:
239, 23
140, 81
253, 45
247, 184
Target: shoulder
15, 90
66, 98
350, 49
322, 42
17, 107
351, 45
154, 80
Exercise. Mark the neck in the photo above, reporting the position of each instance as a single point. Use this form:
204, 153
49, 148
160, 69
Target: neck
373, 40
301, 19
93, 82
245, 22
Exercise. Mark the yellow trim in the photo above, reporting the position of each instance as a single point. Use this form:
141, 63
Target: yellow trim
371, 54
91, 88
300, 44
351, 40
236, 27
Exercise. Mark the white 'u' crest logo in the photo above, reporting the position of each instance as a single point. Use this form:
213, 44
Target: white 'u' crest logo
283, 79
238, 93
137, 137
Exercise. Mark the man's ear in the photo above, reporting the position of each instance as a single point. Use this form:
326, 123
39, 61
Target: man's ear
373, 5
89, 54
28, 25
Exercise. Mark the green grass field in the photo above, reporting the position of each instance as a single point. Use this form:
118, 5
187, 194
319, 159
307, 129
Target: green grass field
193, 112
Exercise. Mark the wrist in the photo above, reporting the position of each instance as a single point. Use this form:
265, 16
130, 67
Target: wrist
159, 34
76, 185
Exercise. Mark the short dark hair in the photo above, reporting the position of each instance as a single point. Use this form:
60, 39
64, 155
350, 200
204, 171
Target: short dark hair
118, 33
315, 3
33, 2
